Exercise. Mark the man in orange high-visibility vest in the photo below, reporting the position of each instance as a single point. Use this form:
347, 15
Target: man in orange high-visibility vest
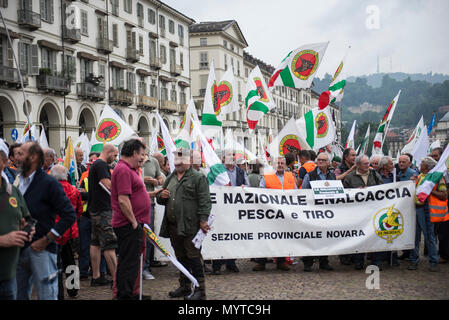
280, 179
307, 165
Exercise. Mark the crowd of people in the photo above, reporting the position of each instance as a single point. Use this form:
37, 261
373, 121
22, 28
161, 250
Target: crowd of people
47, 224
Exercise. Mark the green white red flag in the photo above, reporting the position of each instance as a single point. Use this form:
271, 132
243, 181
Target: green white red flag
410, 144
318, 127
185, 137
299, 67
258, 99
350, 143
364, 144
210, 124
289, 139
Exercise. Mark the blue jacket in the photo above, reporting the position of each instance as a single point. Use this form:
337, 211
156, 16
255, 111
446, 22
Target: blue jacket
45, 198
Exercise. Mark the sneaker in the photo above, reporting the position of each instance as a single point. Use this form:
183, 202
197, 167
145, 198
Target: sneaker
147, 275
307, 268
433, 267
412, 266
216, 272
101, 281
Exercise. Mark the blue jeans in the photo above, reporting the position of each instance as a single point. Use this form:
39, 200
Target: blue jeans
149, 253
8, 289
424, 225
40, 268
84, 229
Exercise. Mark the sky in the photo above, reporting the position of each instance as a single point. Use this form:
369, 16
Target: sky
409, 36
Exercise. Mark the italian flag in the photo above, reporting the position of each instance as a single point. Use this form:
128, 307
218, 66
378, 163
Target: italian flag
299, 67
211, 125
433, 177
185, 138
338, 83
216, 171
169, 144
288, 140
258, 99
383, 126
350, 143
318, 127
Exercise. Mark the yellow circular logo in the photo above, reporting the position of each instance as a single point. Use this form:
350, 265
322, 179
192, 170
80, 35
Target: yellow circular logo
388, 223
13, 202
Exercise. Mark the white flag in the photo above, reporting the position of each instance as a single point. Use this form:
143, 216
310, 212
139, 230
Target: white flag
170, 146
421, 146
43, 139
350, 142
288, 140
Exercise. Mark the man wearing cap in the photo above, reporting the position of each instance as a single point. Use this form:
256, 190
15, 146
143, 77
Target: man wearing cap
186, 197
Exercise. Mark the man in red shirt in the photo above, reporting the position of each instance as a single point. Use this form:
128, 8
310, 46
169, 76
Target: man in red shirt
131, 207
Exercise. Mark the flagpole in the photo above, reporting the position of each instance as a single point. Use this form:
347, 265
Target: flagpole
20, 75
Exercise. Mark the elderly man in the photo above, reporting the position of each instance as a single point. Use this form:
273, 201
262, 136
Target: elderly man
187, 202
45, 199
321, 172
79, 156
362, 177
281, 179
374, 161
347, 164
423, 220
60, 173
131, 207
385, 169
14, 213
49, 159
404, 172
99, 207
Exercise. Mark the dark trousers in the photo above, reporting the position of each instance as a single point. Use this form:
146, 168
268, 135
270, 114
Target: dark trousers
129, 243
216, 264
65, 259
279, 260
149, 255
443, 239
189, 256
308, 261
84, 230
359, 258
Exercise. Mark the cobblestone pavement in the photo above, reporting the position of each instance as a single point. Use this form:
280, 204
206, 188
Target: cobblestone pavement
396, 283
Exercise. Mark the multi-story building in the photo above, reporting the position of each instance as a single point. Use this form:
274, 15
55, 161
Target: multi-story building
132, 55
224, 43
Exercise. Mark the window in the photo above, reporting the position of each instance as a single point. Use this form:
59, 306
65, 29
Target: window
232, 47
203, 81
152, 50
225, 44
47, 10
102, 28
151, 16
69, 67
181, 31
142, 88
173, 94
163, 54
48, 59
140, 12
161, 22
225, 62
246, 72
203, 41
153, 89
131, 82
164, 92
141, 45
181, 60
102, 72
128, 6
86, 68
118, 80
115, 7
204, 61
182, 97
115, 34
171, 26
172, 57
238, 68
84, 28
4, 3
6, 58
29, 58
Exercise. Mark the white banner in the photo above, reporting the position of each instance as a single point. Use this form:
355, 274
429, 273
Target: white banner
255, 223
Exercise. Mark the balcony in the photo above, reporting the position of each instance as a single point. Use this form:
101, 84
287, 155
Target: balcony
183, 108
167, 105
29, 19
155, 63
105, 45
10, 77
132, 55
53, 84
146, 102
121, 97
87, 90
175, 69
71, 35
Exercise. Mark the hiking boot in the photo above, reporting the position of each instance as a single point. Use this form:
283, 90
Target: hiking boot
433, 267
326, 266
307, 268
232, 268
412, 266
197, 295
283, 267
180, 292
101, 281
259, 267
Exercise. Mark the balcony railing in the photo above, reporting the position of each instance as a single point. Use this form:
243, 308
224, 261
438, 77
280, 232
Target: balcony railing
90, 91
10, 76
175, 69
72, 35
132, 54
55, 84
105, 45
146, 102
121, 97
169, 105
155, 63
29, 19
182, 108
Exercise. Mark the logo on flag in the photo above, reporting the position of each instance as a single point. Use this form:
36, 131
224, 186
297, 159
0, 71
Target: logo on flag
108, 130
221, 95
289, 143
321, 125
388, 223
304, 64
260, 90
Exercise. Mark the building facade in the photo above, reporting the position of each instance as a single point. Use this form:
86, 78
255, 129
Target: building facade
77, 56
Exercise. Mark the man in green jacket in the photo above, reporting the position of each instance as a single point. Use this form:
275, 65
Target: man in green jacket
187, 202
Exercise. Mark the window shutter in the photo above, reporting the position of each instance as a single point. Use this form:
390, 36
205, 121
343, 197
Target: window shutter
105, 29
22, 64
34, 63
54, 67
122, 79
51, 11
82, 70
42, 9
9, 54
44, 58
